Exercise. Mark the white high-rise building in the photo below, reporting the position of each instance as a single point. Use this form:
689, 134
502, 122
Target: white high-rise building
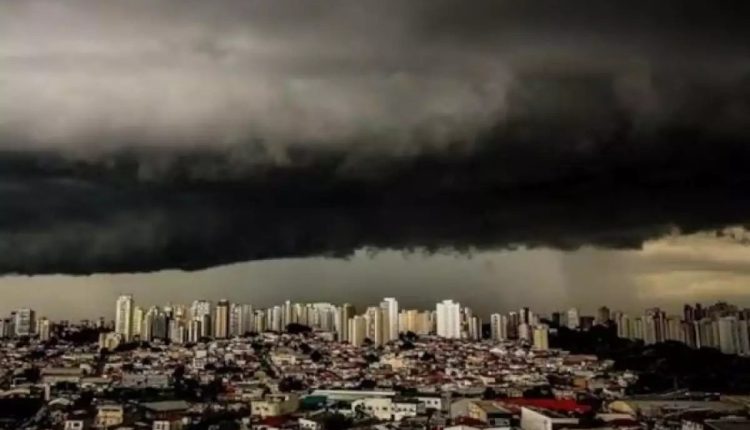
650, 333
498, 327
44, 329
260, 321
247, 319
390, 308
415, 321
474, 328
525, 332
375, 325
343, 315
357, 330
288, 314
743, 338
124, 317
137, 324
728, 335
448, 315
194, 331
541, 337
178, 332
150, 324
623, 326
574, 319
221, 320
201, 311
275, 317
24, 323
235, 320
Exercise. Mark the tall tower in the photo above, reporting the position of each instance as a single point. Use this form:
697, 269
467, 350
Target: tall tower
498, 327
124, 317
288, 314
390, 311
448, 319
574, 320
137, 322
728, 335
357, 330
525, 315
375, 325
247, 323
603, 315
345, 313
541, 337
221, 320
44, 329
25, 320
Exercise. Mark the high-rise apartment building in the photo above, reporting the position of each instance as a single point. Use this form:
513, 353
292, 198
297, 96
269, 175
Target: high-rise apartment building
343, 315
25, 320
44, 329
541, 337
357, 330
390, 312
137, 323
448, 315
247, 319
221, 320
728, 330
498, 327
602, 315
414, 321
200, 310
375, 325
524, 315
574, 319
474, 328
124, 317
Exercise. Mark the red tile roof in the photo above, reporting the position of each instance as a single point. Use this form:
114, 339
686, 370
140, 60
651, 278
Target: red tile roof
560, 405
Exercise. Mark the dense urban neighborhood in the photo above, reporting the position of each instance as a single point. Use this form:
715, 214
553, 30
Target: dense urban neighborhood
296, 367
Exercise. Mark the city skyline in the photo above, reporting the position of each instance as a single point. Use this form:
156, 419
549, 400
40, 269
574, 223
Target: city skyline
666, 272
721, 326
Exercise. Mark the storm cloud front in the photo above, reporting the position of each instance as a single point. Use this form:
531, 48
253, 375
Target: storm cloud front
139, 136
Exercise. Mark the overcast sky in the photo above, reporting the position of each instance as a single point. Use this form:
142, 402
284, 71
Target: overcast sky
542, 152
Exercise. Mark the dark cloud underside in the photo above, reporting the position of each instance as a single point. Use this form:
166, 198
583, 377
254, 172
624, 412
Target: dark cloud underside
140, 136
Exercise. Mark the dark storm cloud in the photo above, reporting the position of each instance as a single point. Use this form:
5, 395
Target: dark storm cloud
143, 135
120, 224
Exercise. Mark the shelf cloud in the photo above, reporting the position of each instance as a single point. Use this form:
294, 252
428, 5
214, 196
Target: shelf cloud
140, 136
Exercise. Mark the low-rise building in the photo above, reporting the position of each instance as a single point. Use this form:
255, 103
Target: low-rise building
541, 419
109, 416
274, 405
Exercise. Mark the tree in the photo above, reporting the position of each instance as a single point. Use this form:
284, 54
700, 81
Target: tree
295, 328
316, 356
84, 401
489, 394
367, 384
427, 356
406, 345
289, 384
178, 373
336, 422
